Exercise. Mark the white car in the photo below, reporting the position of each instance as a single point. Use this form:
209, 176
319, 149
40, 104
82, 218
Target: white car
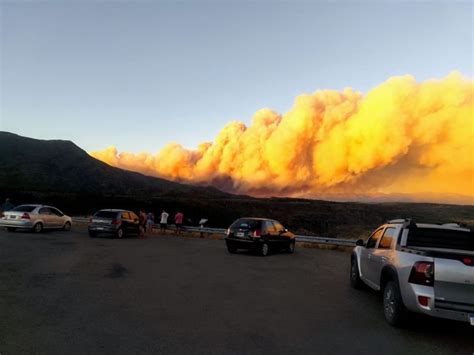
36, 218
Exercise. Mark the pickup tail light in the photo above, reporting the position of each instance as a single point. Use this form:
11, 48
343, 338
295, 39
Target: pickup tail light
423, 300
25, 216
257, 233
422, 273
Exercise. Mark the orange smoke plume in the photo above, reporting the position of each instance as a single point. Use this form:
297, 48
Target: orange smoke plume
402, 137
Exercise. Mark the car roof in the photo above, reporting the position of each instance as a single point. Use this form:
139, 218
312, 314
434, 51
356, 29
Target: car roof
258, 219
113, 210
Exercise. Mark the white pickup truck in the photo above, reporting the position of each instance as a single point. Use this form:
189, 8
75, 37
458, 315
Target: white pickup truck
424, 268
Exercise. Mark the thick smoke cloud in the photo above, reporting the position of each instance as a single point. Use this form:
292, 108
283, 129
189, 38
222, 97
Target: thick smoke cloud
402, 137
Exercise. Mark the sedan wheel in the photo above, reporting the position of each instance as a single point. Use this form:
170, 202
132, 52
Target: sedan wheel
38, 227
264, 249
67, 226
120, 233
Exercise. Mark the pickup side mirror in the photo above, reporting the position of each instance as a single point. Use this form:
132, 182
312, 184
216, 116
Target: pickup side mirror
360, 243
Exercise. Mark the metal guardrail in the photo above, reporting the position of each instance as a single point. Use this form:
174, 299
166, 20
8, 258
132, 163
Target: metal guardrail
299, 238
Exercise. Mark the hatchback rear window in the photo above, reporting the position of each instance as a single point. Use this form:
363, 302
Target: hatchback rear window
441, 238
106, 214
24, 208
246, 224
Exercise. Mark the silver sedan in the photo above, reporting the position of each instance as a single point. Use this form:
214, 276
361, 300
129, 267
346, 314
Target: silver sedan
36, 218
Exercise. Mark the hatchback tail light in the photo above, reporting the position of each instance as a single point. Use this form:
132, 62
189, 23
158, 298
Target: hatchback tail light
25, 216
257, 233
422, 273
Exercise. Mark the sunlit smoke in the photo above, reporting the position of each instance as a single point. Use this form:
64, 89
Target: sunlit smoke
402, 137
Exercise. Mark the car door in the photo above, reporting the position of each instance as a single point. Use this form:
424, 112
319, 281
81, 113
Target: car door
126, 225
57, 219
268, 231
281, 235
133, 222
366, 265
380, 256
46, 216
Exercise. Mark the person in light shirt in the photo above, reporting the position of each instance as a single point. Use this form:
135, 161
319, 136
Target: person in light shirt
163, 221
178, 221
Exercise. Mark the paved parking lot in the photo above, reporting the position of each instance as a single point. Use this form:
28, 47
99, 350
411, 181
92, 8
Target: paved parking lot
65, 293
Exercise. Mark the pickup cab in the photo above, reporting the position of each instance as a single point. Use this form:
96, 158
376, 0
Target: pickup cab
419, 267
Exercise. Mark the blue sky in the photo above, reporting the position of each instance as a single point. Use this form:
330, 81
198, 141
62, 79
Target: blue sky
140, 74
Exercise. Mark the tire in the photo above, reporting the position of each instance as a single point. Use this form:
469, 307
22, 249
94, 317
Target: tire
120, 233
394, 310
291, 248
11, 229
92, 234
231, 249
67, 226
38, 227
356, 282
264, 249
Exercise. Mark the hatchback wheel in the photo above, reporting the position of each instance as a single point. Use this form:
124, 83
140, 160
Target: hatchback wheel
264, 249
120, 233
67, 226
38, 227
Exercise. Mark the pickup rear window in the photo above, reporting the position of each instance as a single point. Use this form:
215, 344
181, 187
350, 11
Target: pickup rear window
440, 238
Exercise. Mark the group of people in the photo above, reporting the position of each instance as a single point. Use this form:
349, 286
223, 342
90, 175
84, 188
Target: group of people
147, 220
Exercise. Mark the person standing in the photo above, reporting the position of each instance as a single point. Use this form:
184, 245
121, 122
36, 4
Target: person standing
7, 206
150, 221
178, 220
163, 221
142, 218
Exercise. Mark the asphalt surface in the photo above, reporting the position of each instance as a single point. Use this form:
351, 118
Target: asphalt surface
65, 293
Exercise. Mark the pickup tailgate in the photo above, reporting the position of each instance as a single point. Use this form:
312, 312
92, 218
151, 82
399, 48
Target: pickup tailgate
454, 283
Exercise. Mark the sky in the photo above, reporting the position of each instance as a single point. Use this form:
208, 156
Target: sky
141, 74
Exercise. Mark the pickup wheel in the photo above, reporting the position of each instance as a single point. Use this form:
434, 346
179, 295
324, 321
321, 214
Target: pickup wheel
356, 282
393, 307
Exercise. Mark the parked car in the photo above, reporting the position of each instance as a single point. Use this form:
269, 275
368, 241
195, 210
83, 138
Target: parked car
424, 268
114, 221
260, 235
36, 218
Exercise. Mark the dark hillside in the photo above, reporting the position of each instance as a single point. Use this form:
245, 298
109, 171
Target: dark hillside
60, 173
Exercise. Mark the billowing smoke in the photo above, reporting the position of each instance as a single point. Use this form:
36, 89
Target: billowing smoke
402, 137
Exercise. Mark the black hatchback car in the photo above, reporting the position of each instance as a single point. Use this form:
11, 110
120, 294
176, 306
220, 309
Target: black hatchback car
259, 234
113, 221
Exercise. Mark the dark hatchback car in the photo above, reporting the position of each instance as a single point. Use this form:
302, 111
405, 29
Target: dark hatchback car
260, 235
113, 221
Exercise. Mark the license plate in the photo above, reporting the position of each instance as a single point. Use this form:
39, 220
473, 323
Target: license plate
100, 229
240, 234
12, 217
471, 318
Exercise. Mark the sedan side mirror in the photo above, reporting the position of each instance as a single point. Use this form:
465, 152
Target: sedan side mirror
360, 243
